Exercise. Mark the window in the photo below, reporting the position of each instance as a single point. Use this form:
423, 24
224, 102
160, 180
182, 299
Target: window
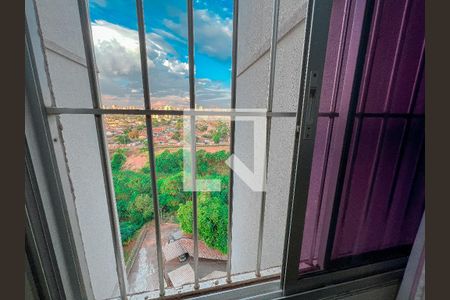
130, 168
367, 163
143, 191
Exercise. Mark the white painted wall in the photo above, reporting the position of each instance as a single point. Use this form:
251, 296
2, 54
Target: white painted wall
255, 22
68, 82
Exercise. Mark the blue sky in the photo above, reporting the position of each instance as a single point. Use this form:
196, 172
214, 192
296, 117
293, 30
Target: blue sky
114, 27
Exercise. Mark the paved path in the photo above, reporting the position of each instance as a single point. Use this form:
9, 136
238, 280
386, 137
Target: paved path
143, 275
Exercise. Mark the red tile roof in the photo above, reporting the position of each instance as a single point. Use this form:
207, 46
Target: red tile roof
203, 250
186, 245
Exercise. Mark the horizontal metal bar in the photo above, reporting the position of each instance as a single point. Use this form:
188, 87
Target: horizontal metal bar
389, 115
217, 286
159, 112
328, 114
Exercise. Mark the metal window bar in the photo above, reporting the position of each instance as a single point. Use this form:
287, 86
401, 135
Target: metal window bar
334, 100
106, 168
151, 149
190, 18
232, 130
155, 112
273, 54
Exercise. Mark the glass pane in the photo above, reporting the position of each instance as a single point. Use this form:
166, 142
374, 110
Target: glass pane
336, 91
383, 196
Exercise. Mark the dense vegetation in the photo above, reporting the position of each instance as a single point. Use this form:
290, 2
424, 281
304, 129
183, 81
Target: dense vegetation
212, 221
134, 195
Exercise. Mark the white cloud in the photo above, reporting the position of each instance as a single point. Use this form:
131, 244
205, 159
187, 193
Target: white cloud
176, 67
169, 35
118, 60
101, 3
212, 33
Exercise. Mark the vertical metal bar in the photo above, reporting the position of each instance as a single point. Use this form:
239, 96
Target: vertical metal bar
334, 99
151, 148
106, 167
190, 17
232, 130
289, 271
273, 54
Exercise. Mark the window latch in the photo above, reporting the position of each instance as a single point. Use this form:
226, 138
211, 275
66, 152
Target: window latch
311, 101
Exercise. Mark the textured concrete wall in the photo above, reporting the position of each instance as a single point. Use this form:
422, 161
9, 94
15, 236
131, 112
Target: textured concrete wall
69, 87
255, 22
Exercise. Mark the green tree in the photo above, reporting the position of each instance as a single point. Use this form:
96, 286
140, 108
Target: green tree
118, 159
133, 194
184, 216
177, 136
224, 182
142, 126
127, 230
172, 192
168, 163
221, 132
123, 139
212, 221
203, 166
122, 209
179, 124
141, 209
216, 136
